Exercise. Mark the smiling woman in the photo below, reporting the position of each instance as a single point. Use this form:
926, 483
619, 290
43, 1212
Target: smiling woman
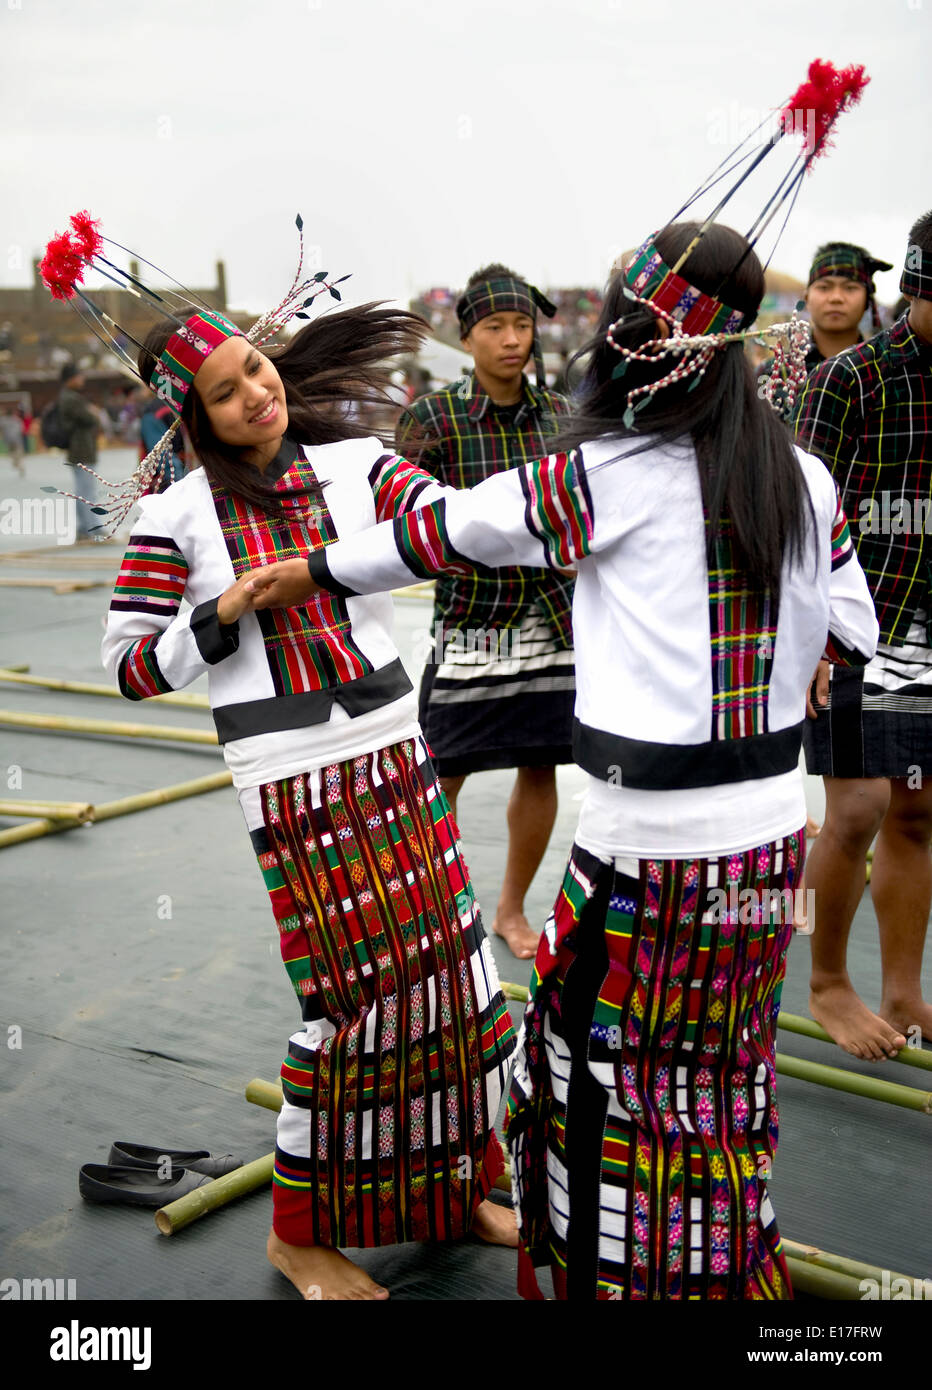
333, 364
392, 1083
244, 398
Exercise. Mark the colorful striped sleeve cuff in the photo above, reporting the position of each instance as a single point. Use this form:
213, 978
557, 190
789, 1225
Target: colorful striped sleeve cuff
842, 547
396, 485
139, 673
423, 541
559, 507
152, 577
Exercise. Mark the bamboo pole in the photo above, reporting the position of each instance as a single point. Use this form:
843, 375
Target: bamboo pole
188, 699
50, 550
813, 1271
218, 1193
264, 1093
71, 724
80, 811
808, 1028
518, 992
822, 1283
64, 556
60, 586
124, 807
791, 1023
872, 1087
854, 1269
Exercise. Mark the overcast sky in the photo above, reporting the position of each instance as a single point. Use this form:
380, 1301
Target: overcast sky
420, 138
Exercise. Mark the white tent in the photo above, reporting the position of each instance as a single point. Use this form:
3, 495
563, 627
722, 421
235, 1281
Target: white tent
444, 363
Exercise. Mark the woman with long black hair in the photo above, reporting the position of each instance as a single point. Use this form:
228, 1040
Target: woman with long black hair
714, 566
391, 1086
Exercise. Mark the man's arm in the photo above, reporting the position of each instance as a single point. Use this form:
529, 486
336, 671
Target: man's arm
827, 421
853, 627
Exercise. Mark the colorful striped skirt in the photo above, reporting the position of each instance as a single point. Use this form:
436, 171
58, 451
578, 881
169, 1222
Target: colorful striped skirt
642, 1117
392, 1087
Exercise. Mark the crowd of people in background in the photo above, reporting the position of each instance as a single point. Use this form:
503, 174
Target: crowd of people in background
127, 417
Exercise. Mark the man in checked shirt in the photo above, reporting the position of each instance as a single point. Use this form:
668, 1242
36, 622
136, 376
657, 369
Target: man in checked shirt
868, 415
498, 689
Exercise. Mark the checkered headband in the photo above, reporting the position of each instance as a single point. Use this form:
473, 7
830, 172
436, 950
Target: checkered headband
502, 295
852, 262
916, 280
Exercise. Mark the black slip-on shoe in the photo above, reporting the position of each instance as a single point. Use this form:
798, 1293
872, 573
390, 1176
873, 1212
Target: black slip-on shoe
126, 1154
136, 1186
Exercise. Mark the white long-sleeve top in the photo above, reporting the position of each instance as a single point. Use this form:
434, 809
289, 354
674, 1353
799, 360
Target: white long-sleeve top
690, 691
292, 690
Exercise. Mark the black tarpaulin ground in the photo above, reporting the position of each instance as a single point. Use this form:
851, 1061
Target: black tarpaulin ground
140, 962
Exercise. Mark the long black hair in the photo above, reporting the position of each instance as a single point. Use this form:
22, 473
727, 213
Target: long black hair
335, 361
748, 471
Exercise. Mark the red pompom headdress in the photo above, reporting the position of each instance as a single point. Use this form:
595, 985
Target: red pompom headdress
700, 323
69, 254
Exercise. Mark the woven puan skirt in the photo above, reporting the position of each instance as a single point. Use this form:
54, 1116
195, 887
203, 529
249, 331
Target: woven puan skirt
498, 698
392, 1086
878, 721
642, 1116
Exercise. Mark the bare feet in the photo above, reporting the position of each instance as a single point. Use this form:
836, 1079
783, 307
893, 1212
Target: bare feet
908, 1015
516, 932
495, 1224
319, 1271
851, 1024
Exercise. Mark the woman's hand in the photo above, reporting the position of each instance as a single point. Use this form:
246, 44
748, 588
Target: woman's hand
236, 601
285, 585
820, 680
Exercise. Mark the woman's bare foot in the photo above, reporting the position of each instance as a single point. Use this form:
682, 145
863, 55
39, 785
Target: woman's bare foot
319, 1271
516, 932
850, 1023
906, 1016
495, 1224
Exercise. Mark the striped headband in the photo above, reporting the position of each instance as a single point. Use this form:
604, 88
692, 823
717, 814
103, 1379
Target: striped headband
651, 278
186, 352
916, 280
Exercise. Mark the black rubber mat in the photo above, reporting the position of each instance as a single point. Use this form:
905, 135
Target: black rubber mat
140, 962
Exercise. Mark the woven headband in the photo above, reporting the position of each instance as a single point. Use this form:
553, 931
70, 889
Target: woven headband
651, 278
186, 352
916, 280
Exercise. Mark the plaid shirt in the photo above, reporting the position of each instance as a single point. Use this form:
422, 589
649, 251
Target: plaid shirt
867, 414
474, 440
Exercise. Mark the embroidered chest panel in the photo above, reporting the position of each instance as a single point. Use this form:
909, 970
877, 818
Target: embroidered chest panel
309, 647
